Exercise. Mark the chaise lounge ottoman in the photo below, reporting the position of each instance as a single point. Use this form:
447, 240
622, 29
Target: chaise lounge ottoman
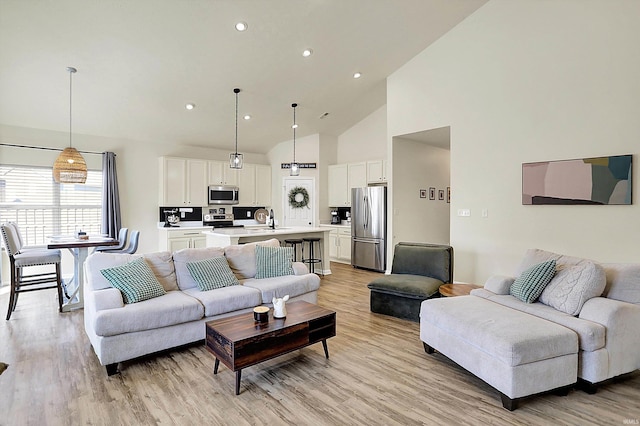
516, 353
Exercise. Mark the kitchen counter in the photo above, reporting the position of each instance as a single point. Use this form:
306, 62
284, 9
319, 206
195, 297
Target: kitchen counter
182, 225
335, 226
262, 231
223, 237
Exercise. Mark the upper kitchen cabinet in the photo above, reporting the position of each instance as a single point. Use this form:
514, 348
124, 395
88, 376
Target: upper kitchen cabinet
247, 185
254, 183
184, 182
263, 185
221, 174
343, 177
339, 194
357, 176
376, 171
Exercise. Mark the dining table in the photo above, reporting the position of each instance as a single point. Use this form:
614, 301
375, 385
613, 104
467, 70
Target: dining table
79, 248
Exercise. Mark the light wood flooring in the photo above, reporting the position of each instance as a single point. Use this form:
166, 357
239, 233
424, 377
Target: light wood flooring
377, 374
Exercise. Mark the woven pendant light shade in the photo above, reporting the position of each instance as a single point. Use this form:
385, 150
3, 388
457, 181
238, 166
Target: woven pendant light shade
70, 167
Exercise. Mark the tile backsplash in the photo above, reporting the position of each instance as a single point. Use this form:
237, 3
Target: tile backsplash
185, 213
240, 213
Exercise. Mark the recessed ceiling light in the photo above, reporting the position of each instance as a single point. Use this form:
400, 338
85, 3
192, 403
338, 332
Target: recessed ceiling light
307, 52
357, 75
190, 106
242, 26
247, 117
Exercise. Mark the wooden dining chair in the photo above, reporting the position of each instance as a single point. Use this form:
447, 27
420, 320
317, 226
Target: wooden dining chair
20, 258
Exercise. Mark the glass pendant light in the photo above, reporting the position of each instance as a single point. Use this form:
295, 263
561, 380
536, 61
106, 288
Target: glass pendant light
295, 167
235, 159
70, 166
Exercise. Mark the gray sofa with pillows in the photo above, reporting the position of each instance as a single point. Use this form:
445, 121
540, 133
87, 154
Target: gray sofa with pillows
563, 320
141, 304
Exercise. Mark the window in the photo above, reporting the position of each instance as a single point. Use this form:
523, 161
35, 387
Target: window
41, 207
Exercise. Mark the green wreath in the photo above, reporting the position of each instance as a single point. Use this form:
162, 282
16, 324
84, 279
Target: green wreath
299, 198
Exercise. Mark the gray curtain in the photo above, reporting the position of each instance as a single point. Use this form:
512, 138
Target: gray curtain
111, 218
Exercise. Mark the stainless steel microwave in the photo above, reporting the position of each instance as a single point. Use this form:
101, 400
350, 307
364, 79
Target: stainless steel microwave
222, 194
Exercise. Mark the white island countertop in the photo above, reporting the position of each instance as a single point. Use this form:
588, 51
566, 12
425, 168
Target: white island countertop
263, 231
223, 237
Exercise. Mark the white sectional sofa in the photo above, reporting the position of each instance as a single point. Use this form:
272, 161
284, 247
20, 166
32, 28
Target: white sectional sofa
120, 331
583, 329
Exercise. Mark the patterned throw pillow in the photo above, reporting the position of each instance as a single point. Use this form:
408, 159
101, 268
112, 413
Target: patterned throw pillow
135, 280
528, 286
573, 285
212, 273
273, 261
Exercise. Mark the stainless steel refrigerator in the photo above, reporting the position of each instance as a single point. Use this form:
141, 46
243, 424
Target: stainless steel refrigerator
369, 227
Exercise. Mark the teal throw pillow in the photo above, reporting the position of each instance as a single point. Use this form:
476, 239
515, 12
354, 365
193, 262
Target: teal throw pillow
273, 261
529, 286
212, 273
135, 280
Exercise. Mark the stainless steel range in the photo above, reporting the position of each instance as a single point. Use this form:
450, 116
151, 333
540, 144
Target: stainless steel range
218, 218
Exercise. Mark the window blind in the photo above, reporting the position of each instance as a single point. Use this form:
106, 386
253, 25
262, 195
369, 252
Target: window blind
41, 207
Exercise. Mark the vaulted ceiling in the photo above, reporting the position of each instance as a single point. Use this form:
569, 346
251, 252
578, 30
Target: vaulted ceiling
141, 61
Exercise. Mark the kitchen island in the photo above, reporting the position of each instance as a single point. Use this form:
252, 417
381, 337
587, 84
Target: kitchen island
222, 237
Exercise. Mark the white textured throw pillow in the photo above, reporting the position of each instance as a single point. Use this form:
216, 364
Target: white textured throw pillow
573, 285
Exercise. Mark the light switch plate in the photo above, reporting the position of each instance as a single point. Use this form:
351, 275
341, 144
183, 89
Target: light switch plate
464, 212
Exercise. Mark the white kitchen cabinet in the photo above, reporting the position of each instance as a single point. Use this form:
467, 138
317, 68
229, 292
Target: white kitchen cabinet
376, 171
221, 174
343, 177
177, 239
183, 182
254, 183
263, 185
247, 185
333, 244
339, 192
340, 244
344, 245
357, 176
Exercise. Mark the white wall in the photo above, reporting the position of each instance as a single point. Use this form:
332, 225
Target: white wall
521, 81
419, 219
328, 146
366, 140
137, 166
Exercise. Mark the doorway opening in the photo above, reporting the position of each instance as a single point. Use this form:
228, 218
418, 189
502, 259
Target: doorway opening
422, 186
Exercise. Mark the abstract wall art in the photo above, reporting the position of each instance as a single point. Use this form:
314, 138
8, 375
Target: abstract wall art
599, 180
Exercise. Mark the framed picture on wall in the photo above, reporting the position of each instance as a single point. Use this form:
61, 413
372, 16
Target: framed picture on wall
448, 194
441, 194
423, 193
432, 193
586, 181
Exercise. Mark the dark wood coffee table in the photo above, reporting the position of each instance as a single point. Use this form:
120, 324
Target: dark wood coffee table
240, 342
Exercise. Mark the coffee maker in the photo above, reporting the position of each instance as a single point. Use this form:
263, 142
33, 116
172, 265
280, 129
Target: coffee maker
335, 218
